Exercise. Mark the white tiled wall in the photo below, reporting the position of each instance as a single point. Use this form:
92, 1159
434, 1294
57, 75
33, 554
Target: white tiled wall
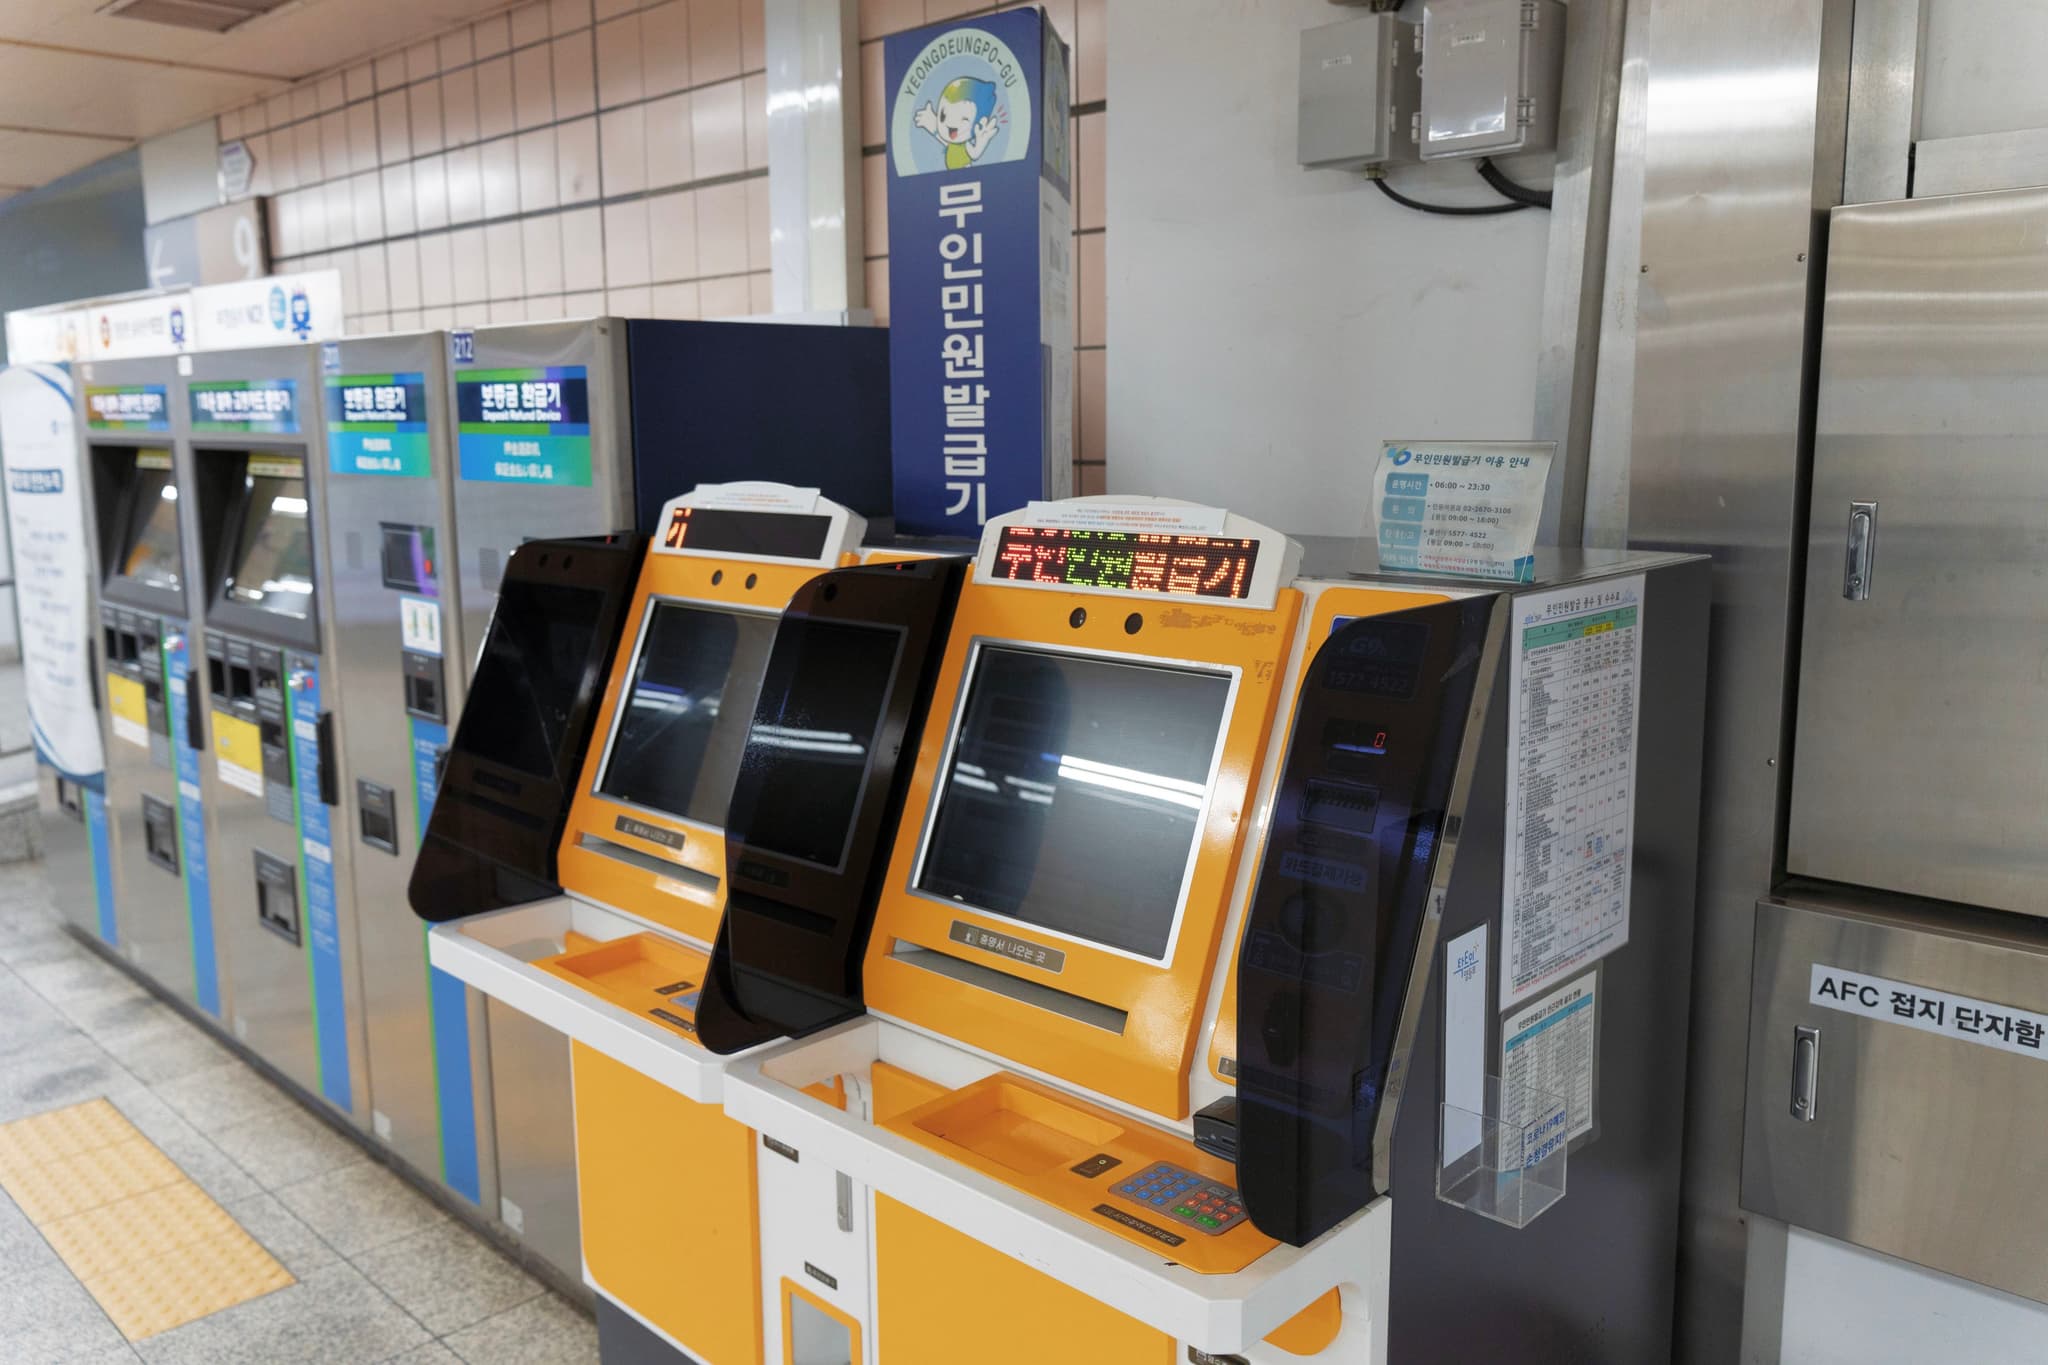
550, 161
572, 157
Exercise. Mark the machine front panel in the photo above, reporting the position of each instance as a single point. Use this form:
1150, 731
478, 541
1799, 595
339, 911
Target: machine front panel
1923, 611
396, 684
527, 466
1041, 986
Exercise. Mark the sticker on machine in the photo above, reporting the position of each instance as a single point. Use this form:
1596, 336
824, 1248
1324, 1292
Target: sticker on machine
238, 753
419, 625
1961, 1017
128, 708
1574, 687
1552, 1047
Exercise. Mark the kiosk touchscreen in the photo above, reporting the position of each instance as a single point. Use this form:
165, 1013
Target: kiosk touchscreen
760, 669
1157, 1032
280, 833
146, 531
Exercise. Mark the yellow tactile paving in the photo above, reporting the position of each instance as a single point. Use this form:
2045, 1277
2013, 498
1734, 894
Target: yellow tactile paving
150, 1245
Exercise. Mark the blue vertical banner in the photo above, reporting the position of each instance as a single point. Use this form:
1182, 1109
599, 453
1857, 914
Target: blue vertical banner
981, 331
101, 838
191, 823
316, 876
448, 998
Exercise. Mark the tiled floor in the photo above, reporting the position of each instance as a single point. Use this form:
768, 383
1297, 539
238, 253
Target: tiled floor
383, 1274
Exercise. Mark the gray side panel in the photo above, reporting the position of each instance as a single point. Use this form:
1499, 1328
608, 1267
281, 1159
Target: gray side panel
1592, 1278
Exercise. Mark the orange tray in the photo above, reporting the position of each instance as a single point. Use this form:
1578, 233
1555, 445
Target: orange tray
646, 973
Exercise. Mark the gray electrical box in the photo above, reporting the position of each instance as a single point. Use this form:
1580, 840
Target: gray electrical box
1492, 71
1359, 92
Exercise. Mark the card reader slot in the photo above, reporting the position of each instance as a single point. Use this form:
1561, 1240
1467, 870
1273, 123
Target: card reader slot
1078, 1008
646, 862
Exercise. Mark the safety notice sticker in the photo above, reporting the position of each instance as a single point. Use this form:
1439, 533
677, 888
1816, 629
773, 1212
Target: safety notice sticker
1550, 1046
1575, 683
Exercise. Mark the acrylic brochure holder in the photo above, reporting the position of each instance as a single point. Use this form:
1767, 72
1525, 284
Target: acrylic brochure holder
1505, 1160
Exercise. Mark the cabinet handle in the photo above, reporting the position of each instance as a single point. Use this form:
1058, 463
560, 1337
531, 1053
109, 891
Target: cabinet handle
1860, 561
1805, 1072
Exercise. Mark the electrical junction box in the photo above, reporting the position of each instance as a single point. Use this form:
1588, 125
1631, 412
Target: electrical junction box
1492, 73
1359, 92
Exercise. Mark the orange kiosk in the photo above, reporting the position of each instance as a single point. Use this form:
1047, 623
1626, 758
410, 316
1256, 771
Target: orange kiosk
744, 659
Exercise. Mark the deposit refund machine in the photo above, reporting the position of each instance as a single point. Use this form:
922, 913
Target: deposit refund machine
741, 763
397, 678
138, 467
279, 833
1258, 950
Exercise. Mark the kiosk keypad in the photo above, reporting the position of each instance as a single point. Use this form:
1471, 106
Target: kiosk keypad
1173, 1191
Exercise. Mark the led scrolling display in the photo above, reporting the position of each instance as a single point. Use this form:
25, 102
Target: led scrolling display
1127, 561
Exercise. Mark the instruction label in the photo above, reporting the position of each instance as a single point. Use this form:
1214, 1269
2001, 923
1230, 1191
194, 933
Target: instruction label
1961, 1017
1550, 1048
1575, 683
1468, 507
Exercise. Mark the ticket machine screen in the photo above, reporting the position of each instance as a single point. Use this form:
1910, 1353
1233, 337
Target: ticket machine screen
683, 724
1074, 794
150, 553
273, 550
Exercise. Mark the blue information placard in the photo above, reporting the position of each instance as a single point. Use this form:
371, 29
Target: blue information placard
980, 267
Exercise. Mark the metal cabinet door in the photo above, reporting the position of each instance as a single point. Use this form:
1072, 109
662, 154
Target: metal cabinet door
1921, 762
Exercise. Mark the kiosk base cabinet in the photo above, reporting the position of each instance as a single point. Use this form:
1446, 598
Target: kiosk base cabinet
669, 1218
943, 1298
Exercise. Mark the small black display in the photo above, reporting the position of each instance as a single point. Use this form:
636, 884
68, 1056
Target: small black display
813, 735
682, 724
272, 552
1075, 794
725, 530
533, 666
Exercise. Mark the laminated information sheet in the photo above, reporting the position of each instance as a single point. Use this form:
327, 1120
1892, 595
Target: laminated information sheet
1549, 1047
1574, 686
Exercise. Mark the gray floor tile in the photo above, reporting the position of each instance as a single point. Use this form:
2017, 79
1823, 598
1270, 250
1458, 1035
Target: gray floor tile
447, 1278
433, 1353
33, 1023
34, 935
162, 1047
46, 1316
360, 1207
75, 976
68, 1071
22, 1248
331, 1317
123, 1354
221, 1096
297, 1247
542, 1331
286, 1146
121, 1006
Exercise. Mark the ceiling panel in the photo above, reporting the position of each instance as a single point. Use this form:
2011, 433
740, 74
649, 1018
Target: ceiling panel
31, 159
64, 67
295, 41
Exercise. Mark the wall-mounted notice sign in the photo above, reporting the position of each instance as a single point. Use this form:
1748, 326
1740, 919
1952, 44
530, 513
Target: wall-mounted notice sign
1461, 507
267, 406
377, 424
524, 425
127, 407
1574, 688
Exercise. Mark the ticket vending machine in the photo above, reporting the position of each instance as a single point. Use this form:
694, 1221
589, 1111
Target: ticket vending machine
1209, 950
744, 753
543, 447
138, 467
280, 833
396, 680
